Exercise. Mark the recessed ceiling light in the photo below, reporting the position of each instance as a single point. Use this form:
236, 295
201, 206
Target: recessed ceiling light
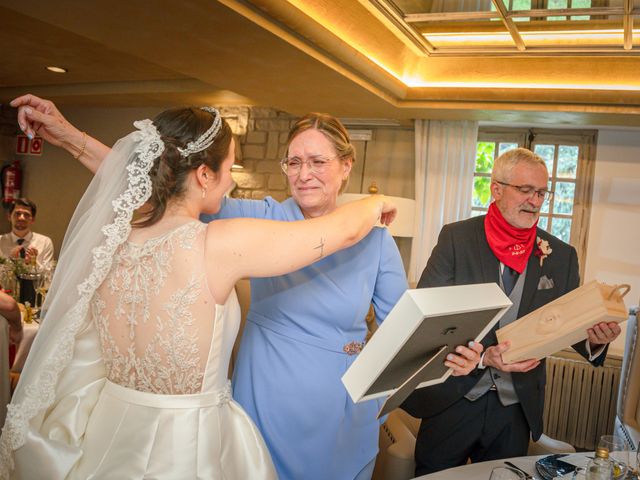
57, 69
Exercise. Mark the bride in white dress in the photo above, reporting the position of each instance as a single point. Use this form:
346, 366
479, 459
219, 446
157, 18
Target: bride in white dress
127, 378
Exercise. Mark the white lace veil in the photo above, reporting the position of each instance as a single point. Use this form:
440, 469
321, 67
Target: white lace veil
99, 225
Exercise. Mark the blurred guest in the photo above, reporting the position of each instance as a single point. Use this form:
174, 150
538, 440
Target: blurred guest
11, 335
21, 241
493, 412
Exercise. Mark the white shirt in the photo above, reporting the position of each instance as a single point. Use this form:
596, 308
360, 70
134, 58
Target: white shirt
42, 243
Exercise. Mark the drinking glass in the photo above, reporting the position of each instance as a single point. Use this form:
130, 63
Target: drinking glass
580, 473
618, 453
634, 466
506, 473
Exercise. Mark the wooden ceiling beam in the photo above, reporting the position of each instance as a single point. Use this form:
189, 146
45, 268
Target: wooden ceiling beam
396, 17
571, 12
627, 22
449, 16
536, 13
513, 30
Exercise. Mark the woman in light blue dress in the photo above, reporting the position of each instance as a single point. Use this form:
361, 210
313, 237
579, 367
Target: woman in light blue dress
304, 329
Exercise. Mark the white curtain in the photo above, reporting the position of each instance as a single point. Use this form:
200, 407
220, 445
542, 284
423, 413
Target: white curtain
445, 162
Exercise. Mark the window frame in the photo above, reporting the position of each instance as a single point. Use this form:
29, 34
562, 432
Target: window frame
586, 141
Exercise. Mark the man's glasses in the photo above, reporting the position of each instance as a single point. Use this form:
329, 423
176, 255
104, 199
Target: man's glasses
292, 165
529, 191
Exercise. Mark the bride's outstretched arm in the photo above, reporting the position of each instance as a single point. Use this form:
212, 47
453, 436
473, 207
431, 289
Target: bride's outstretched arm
37, 116
238, 248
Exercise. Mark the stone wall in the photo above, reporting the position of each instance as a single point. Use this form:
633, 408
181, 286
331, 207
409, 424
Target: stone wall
261, 148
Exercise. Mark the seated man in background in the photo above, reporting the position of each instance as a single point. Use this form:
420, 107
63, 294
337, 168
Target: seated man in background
21, 241
492, 413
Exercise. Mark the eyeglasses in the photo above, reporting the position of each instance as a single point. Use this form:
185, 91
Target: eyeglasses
292, 166
529, 191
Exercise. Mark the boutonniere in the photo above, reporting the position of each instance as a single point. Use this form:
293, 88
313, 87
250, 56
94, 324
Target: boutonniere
543, 250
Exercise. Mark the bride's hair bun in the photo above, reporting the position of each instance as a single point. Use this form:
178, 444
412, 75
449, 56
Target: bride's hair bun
177, 128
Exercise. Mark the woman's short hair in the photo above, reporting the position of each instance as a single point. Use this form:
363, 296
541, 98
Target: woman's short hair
177, 127
506, 162
332, 129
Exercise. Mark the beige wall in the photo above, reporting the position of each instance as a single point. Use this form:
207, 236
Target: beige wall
613, 253
388, 159
390, 162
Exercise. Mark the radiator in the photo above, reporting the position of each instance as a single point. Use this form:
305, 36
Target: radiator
580, 400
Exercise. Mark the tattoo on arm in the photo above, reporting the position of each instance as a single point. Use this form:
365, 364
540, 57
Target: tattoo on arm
321, 248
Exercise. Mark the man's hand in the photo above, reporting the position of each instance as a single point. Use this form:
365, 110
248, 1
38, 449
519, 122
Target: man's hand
465, 359
30, 253
493, 358
602, 333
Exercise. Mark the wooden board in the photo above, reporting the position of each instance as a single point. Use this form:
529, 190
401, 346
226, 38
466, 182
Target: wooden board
563, 322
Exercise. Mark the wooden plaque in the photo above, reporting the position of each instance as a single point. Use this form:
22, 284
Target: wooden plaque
564, 321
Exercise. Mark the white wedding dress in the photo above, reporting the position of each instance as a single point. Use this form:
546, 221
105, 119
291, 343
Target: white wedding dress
163, 409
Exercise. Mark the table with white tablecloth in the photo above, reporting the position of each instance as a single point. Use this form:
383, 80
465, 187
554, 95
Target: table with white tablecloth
29, 333
482, 470
5, 391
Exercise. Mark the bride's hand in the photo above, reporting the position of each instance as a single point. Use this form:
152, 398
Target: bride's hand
39, 116
389, 212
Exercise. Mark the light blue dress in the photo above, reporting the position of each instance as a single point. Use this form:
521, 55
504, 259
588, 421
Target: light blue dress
291, 358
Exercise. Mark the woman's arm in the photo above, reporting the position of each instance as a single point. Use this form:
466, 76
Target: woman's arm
9, 310
239, 248
37, 116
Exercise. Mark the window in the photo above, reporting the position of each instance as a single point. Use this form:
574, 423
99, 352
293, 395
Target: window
569, 156
520, 27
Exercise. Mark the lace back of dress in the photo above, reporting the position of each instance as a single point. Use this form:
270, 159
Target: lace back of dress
154, 313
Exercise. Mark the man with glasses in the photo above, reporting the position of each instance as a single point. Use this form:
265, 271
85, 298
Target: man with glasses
492, 413
21, 242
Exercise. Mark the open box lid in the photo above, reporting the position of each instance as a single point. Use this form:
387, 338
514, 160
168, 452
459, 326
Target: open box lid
409, 348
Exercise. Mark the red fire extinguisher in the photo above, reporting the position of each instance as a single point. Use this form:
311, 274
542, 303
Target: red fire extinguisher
11, 182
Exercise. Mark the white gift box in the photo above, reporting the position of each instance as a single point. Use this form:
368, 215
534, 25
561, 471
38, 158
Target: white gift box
409, 348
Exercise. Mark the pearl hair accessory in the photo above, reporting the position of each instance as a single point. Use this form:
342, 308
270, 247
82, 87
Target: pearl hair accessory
206, 139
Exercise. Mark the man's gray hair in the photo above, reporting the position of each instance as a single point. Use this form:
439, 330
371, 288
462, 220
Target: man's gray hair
505, 163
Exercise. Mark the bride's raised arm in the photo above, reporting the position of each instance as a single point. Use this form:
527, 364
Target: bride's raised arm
37, 116
238, 248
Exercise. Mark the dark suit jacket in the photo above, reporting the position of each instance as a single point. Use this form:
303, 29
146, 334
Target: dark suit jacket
462, 256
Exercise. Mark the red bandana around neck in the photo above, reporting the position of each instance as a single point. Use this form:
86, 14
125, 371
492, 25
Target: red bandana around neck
510, 244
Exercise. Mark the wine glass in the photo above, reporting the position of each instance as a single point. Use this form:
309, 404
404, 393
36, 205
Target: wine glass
618, 454
38, 284
506, 473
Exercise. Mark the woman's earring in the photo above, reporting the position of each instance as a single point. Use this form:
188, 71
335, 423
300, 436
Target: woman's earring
204, 192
